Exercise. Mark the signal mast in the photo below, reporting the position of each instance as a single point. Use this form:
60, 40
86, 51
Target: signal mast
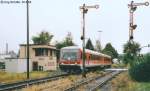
133, 6
84, 10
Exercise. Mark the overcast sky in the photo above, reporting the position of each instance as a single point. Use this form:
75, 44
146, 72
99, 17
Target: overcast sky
61, 16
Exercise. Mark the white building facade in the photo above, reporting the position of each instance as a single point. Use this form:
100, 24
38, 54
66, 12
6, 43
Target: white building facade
17, 65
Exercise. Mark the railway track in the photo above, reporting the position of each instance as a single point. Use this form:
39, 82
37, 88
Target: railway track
26, 83
60, 82
91, 84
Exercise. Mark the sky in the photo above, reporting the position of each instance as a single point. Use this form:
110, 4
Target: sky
62, 16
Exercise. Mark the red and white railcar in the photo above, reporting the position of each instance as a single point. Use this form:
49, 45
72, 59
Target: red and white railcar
71, 58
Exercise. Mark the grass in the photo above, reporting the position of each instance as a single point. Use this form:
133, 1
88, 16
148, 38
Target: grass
13, 77
124, 83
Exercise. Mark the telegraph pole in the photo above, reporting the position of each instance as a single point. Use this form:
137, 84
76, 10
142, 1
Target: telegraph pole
132, 26
84, 9
28, 76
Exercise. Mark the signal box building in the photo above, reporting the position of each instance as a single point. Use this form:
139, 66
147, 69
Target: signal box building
42, 57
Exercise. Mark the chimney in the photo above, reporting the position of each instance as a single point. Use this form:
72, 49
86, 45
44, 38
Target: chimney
6, 48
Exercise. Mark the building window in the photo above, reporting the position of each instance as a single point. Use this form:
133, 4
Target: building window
51, 53
41, 52
54, 53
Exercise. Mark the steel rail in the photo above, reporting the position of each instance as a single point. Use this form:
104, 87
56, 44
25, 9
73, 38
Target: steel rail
26, 83
85, 81
101, 82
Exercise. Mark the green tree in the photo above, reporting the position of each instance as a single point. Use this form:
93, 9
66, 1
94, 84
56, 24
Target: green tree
43, 38
68, 41
89, 45
110, 50
98, 46
131, 50
140, 71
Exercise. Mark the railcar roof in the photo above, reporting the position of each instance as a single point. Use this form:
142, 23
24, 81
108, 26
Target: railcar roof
87, 50
71, 47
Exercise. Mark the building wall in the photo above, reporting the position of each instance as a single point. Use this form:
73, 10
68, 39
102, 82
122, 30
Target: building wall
47, 62
17, 65
3, 56
23, 52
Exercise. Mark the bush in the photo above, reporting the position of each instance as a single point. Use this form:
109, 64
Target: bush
140, 71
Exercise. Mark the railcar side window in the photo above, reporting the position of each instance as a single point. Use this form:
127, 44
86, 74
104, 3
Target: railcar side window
81, 55
89, 57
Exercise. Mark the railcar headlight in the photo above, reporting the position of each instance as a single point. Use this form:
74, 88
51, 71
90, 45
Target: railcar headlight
76, 63
62, 63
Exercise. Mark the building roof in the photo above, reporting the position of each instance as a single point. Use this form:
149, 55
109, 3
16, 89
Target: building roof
71, 47
40, 46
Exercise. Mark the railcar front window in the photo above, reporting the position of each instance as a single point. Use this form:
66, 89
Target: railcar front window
69, 56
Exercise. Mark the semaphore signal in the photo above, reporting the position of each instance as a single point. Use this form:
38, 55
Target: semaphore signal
133, 6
